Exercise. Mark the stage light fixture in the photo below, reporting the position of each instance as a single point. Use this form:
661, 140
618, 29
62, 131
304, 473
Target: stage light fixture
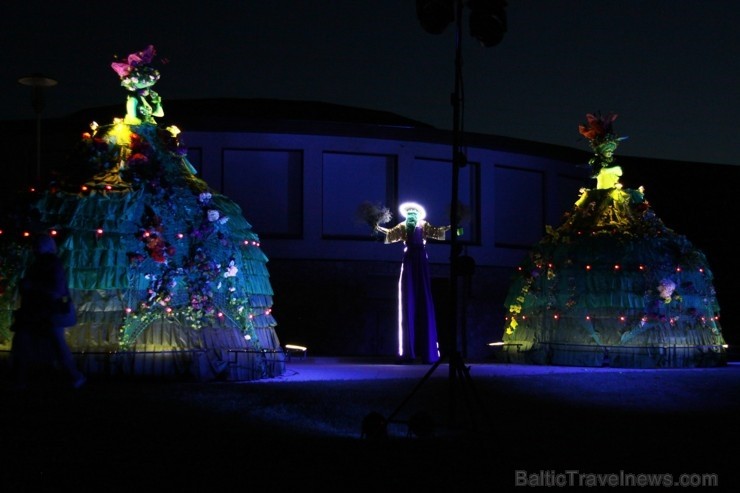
487, 21
435, 15
295, 350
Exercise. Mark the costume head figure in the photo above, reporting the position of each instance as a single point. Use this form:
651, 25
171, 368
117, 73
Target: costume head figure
144, 78
601, 137
413, 213
135, 72
606, 149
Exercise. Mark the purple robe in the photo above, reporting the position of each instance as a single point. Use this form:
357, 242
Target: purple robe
417, 325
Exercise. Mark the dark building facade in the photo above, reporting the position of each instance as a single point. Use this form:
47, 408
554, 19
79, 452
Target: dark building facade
299, 171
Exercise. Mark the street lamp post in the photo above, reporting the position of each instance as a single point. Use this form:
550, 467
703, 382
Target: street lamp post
37, 83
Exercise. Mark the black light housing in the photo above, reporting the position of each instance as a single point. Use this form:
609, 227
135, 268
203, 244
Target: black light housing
488, 21
487, 17
435, 15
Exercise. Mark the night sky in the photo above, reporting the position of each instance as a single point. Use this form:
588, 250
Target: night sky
669, 68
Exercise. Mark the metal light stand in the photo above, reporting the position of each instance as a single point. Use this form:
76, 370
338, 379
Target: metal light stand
459, 373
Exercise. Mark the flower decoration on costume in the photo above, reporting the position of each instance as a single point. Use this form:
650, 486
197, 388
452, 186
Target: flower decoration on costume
215, 216
665, 289
599, 130
135, 258
202, 272
151, 235
134, 61
136, 71
231, 270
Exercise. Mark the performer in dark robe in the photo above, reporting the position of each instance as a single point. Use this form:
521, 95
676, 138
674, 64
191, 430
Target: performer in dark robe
417, 325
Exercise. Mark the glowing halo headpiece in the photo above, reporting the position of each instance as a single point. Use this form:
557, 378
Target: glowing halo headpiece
404, 208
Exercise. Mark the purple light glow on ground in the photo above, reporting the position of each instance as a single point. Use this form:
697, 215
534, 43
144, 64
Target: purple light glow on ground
690, 389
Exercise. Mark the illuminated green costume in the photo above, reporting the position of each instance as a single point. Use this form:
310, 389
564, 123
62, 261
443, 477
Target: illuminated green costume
167, 274
612, 285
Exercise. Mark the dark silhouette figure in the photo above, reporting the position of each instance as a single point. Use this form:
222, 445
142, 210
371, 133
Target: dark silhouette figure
39, 338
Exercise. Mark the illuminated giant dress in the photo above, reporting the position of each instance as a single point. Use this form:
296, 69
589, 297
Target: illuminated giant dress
612, 285
167, 274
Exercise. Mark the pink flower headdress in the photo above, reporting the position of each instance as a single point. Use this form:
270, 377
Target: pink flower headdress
135, 71
134, 61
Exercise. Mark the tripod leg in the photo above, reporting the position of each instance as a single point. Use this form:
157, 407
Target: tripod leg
462, 374
418, 386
